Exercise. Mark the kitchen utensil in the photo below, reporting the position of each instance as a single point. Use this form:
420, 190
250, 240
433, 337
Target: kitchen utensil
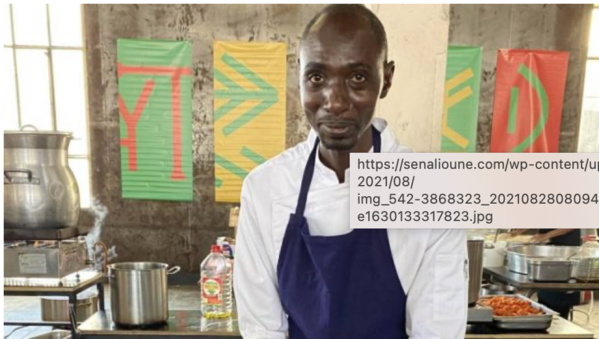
138, 292
475, 267
517, 255
548, 269
40, 190
57, 308
497, 289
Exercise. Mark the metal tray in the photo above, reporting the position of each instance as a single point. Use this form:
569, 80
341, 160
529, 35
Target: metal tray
531, 322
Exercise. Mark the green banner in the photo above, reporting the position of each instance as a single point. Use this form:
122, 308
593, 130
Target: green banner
155, 88
460, 104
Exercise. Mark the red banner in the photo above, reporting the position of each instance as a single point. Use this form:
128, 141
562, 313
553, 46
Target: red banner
529, 95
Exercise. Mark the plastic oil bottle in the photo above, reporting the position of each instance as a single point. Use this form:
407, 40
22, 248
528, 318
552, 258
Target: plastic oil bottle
216, 285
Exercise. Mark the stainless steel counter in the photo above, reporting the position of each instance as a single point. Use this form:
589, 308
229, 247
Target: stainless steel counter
188, 324
503, 275
560, 329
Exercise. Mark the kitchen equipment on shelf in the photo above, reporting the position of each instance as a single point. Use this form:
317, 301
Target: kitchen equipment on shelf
496, 243
40, 190
43, 259
497, 289
549, 269
517, 255
138, 292
586, 262
475, 267
57, 308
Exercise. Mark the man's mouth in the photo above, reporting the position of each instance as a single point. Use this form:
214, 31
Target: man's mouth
336, 128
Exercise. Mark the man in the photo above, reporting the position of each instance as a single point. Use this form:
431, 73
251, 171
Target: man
300, 270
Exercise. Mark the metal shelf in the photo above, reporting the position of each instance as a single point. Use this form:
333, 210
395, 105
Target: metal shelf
88, 280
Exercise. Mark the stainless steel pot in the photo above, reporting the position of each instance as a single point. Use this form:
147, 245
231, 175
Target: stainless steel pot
549, 269
517, 255
57, 308
40, 190
138, 292
475, 267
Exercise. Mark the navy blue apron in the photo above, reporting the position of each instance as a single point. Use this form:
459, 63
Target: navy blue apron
342, 286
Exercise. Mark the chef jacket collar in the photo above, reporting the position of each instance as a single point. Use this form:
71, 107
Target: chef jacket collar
328, 175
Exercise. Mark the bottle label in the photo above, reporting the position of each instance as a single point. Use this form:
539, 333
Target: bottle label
212, 290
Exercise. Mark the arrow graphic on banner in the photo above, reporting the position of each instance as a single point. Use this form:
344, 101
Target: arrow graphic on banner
266, 95
452, 100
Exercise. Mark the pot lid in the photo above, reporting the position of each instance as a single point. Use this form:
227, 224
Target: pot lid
32, 130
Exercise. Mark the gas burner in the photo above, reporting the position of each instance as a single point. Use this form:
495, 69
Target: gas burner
46, 261
16, 234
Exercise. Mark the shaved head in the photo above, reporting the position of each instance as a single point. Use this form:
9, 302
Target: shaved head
350, 12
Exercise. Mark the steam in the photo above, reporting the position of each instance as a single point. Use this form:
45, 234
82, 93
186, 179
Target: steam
100, 211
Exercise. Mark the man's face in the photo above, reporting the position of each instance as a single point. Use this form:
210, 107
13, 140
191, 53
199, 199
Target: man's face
341, 78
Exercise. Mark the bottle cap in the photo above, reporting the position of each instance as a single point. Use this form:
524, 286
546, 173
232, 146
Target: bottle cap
215, 249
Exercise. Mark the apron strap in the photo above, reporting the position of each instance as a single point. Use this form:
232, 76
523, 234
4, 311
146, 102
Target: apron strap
306, 181
309, 171
376, 140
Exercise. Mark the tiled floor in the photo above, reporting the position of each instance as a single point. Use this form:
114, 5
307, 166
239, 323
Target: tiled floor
187, 298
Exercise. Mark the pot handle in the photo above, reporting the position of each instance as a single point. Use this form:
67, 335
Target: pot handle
29, 173
30, 126
173, 270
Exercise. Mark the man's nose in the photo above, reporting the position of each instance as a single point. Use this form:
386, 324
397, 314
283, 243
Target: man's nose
337, 99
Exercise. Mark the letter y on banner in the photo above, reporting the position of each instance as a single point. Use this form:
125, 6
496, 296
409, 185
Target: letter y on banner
154, 80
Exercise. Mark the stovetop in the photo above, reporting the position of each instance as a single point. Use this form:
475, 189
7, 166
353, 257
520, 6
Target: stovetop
17, 234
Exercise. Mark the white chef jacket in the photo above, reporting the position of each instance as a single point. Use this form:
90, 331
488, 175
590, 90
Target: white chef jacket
431, 263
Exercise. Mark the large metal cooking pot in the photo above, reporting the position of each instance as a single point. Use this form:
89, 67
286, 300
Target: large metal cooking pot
57, 308
475, 267
517, 255
40, 190
138, 292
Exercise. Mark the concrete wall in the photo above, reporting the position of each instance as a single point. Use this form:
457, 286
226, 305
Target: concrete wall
417, 39
171, 232
555, 27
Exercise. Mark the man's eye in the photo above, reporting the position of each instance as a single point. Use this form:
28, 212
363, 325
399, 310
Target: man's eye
358, 78
316, 78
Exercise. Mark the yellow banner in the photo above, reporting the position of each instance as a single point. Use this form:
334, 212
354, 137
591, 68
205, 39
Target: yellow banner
249, 110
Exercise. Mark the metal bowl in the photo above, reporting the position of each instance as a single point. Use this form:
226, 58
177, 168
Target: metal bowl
497, 289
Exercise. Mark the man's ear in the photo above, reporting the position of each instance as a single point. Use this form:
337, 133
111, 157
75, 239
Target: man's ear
387, 78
